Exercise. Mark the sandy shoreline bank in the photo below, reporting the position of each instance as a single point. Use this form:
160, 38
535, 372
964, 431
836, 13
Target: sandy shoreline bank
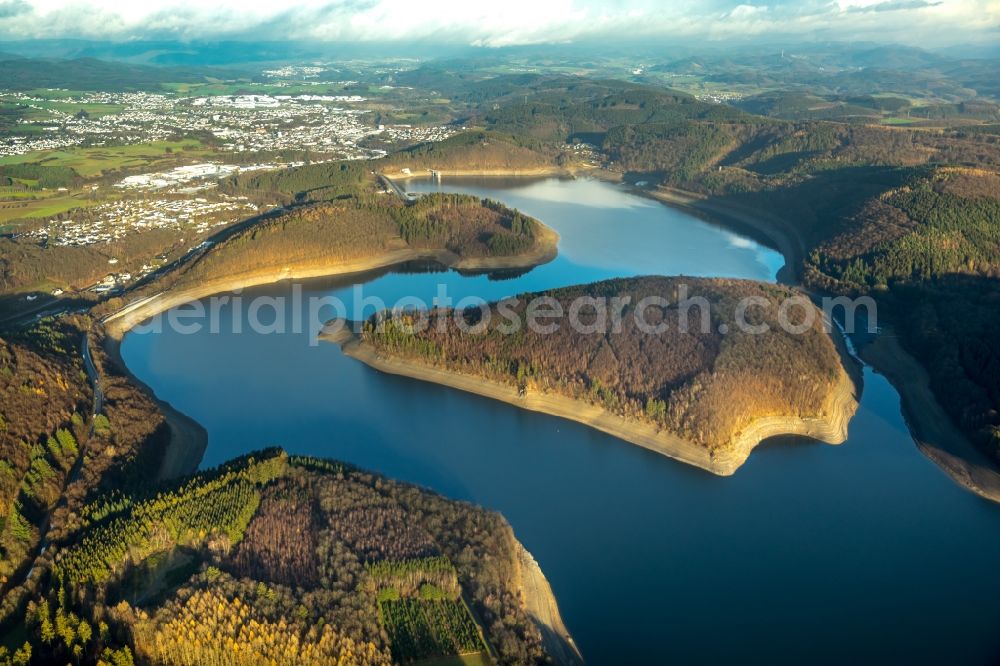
541, 606
131, 315
780, 233
933, 431
188, 439
959, 457
830, 428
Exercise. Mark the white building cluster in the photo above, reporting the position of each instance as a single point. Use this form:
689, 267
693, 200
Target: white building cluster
294, 71
114, 221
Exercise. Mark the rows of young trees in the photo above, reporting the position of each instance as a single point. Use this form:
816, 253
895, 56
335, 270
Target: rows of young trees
421, 629
408, 577
216, 510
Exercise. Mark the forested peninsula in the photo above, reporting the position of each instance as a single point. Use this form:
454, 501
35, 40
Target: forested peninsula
706, 395
299, 560
350, 235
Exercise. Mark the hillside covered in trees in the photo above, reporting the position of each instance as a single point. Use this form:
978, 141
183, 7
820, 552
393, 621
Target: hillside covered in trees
564, 109
55, 452
329, 233
278, 559
45, 401
929, 250
475, 151
908, 215
683, 375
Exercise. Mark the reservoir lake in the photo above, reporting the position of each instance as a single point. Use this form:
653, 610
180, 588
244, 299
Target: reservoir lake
863, 552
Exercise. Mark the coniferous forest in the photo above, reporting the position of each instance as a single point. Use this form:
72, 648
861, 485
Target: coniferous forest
276, 558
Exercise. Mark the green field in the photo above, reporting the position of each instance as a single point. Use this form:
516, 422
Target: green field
95, 110
9, 193
92, 162
15, 210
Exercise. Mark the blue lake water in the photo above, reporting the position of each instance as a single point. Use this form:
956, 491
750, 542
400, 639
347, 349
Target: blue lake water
863, 552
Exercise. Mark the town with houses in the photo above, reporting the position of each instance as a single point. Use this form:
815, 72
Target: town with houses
332, 124
217, 131
113, 221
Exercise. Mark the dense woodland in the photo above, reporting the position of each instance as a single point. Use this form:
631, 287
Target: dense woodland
36, 176
575, 109
474, 151
55, 453
323, 234
688, 379
270, 559
46, 399
26, 264
310, 182
90, 74
929, 250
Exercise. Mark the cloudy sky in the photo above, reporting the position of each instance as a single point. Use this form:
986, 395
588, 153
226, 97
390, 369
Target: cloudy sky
505, 22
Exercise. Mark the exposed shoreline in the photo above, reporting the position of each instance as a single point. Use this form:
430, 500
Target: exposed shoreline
932, 429
783, 236
542, 607
960, 459
131, 315
830, 428
188, 438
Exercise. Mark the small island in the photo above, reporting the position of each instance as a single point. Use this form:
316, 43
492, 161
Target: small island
706, 395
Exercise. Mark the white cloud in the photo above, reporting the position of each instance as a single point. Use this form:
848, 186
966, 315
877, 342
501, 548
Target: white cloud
502, 23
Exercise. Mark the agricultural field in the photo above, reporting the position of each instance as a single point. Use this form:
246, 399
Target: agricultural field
25, 205
38, 111
95, 161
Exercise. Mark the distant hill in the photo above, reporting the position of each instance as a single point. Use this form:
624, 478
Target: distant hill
473, 151
17, 73
570, 108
